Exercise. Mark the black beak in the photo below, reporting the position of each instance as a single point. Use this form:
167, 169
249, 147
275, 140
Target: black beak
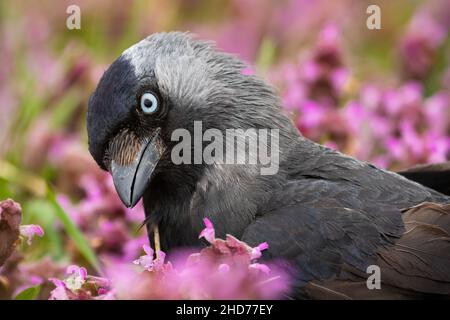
132, 180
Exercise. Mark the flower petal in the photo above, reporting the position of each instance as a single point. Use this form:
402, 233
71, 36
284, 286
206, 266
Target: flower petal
30, 230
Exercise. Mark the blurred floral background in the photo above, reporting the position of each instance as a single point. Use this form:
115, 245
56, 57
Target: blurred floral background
379, 95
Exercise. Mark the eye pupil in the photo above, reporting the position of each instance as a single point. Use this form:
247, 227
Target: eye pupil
148, 103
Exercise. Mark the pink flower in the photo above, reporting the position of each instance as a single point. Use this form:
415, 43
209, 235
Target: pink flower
395, 148
355, 115
224, 268
339, 78
437, 112
312, 114
77, 277
294, 96
310, 71
256, 251
260, 267
57, 282
80, 286
424, 37
92, 188
60, 292
438, 147
208, 233
370, 96
132, 248
102, 291
136, 214
78, 271
329, 36
30, 230
148, 262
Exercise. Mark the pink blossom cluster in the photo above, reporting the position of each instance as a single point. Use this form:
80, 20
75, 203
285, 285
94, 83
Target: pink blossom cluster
227, 269
11, 234
393, 126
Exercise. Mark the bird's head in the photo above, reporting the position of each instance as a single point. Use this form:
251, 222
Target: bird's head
163, 83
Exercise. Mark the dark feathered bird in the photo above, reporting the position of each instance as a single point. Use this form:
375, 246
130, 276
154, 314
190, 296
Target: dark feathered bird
328, 214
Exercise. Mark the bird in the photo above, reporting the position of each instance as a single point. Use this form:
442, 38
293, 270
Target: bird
435, 176
328, 215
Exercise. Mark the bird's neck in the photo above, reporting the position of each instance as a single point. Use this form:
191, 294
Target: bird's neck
229, 195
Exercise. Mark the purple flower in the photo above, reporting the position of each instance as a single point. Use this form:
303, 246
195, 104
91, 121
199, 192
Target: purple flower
312, 114
370, 96
329, 36
91, 187
30, 230
132, 248
256, 251
294, 97
339, 79
224, 268
148, 262
437, 112
355, 115
424, 37
395, 148
208, 233
226, 264
310, 71
60, 292
77, 277
260, 267
438, 147
78, 285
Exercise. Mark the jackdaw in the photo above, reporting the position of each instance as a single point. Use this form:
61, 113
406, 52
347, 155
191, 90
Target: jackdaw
328, 215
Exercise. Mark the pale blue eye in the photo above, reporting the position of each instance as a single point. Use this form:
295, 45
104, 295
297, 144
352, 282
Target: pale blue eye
149, 103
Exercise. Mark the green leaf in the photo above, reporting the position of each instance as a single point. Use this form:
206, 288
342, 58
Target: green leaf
266, 54
73, 231
30, 293
42, 212
64, 109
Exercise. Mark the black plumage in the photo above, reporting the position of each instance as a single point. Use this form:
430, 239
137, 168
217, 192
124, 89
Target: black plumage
326, 213
435, 176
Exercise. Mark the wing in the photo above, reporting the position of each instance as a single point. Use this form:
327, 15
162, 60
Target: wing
332, 232
434, 176
420, 259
